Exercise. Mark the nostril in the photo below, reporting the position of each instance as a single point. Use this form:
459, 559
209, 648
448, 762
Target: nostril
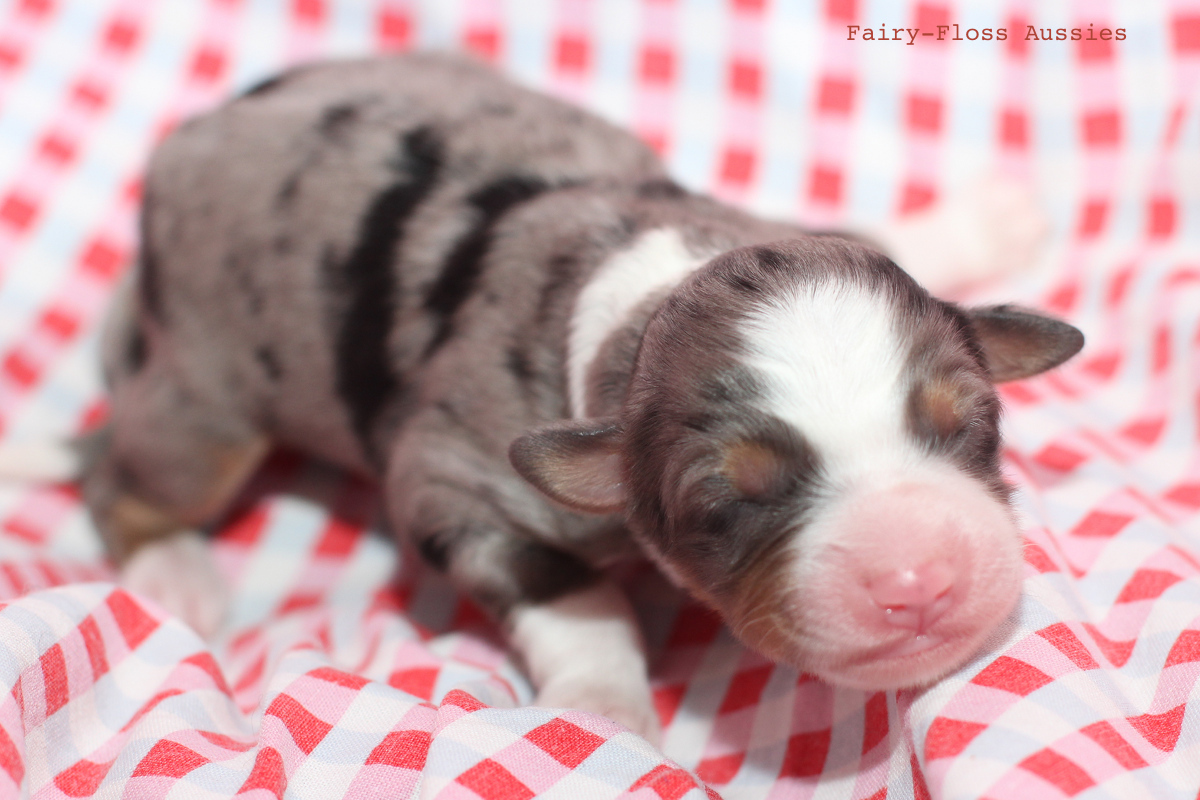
913, 597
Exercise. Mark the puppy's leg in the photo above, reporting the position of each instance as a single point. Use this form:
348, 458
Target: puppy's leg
584, 650
475, 520
169, 462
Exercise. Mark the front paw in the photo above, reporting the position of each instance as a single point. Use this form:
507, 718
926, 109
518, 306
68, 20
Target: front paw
626, 703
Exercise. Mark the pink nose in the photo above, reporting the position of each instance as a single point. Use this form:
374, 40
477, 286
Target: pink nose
914, 598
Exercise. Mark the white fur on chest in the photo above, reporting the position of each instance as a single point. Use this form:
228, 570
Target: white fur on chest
657, 260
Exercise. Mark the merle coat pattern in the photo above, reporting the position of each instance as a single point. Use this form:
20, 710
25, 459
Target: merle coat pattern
381, 262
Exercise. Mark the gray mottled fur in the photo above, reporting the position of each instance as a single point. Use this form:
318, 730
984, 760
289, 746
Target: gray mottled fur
376, 262
250, 215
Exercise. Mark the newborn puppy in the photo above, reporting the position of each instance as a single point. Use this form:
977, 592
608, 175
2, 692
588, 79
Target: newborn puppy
417, 270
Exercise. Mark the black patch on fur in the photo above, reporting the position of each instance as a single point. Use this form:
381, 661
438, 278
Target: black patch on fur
518, 364
366, 380
498, 108
660, 189
149, 290
332, 128
463, 266
136, 351
436, 551
627, 226
148, 278
525, 571
744, 284
287, 191
542, 573
336, 119
269, 362
253, 294
773, 260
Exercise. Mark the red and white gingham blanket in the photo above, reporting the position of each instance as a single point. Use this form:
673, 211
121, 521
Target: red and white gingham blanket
335, 678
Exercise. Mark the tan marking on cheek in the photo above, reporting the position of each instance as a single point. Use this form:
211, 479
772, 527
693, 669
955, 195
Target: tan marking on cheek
759, 612
753, 469
944, 404
757, 608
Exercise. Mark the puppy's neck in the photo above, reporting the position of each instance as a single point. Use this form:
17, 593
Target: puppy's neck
611, 313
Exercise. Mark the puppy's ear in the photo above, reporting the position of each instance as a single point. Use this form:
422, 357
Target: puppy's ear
1018, 343
577, 463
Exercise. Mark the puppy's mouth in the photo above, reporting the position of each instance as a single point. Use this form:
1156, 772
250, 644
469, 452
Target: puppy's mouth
858, 658
908, 647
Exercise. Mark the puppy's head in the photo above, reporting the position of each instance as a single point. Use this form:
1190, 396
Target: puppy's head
810, 445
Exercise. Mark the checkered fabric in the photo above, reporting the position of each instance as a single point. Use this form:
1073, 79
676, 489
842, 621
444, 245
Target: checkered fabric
335, 678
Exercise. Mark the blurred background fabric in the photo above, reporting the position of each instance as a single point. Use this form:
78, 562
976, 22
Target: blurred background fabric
334, 677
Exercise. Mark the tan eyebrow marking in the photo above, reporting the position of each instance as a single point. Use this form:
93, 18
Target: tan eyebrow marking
943, 403
754, 469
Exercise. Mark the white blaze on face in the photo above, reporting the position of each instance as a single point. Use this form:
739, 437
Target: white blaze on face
657, 260
833, 366
904, 564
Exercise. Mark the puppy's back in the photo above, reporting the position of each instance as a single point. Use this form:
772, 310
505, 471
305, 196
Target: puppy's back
301, 244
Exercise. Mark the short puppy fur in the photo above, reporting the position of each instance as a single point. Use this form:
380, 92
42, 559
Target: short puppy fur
417, 270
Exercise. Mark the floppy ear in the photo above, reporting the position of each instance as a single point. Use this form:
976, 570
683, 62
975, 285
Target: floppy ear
1018, 343
577, 463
